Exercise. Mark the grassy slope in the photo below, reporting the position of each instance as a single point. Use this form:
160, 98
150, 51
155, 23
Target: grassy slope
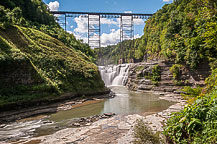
62, 68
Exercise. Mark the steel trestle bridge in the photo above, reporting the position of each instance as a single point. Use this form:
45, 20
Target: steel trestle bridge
94, 24
94, 28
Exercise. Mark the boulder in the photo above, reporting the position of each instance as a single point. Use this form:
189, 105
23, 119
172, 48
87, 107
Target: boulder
145, 87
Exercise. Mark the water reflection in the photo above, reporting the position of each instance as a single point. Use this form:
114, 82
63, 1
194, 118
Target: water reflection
128, 102
125, 102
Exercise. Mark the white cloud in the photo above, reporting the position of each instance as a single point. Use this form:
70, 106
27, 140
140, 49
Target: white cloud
108, 21
137, 36
111, 38
167, 0
106, 38
82, 24
54, 6
128, 12
71, 26
138, 21
80, 31
70, 32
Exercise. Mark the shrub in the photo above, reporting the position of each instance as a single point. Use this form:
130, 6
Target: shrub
176, 71
191, 92
143, 134
211, 81
156, 74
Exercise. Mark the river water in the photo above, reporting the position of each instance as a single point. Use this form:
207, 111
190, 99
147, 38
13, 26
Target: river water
125, 102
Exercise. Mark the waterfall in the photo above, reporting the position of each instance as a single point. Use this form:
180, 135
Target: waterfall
114, 75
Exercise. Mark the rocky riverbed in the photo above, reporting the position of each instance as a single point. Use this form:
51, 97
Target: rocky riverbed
116, 129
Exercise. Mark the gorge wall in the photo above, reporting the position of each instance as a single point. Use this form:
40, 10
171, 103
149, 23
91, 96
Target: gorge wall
140, 77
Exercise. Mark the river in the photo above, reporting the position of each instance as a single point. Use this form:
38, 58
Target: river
125, 102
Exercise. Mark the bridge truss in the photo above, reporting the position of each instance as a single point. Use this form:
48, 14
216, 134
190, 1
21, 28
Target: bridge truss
94, 28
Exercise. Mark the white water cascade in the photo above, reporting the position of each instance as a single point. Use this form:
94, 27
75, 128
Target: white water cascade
114, 75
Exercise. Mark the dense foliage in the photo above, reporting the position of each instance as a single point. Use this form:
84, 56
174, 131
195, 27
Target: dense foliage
35, 14
191, 93
113, 53
35, 11
184, 31
197, 123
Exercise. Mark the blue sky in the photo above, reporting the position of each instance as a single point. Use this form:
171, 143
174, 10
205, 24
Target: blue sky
110, 27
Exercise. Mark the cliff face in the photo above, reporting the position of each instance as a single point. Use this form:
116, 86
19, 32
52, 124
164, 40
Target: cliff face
141, 76
36, 66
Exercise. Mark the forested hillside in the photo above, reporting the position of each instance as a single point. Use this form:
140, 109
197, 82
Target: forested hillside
184, 31
113, 53
38, 59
